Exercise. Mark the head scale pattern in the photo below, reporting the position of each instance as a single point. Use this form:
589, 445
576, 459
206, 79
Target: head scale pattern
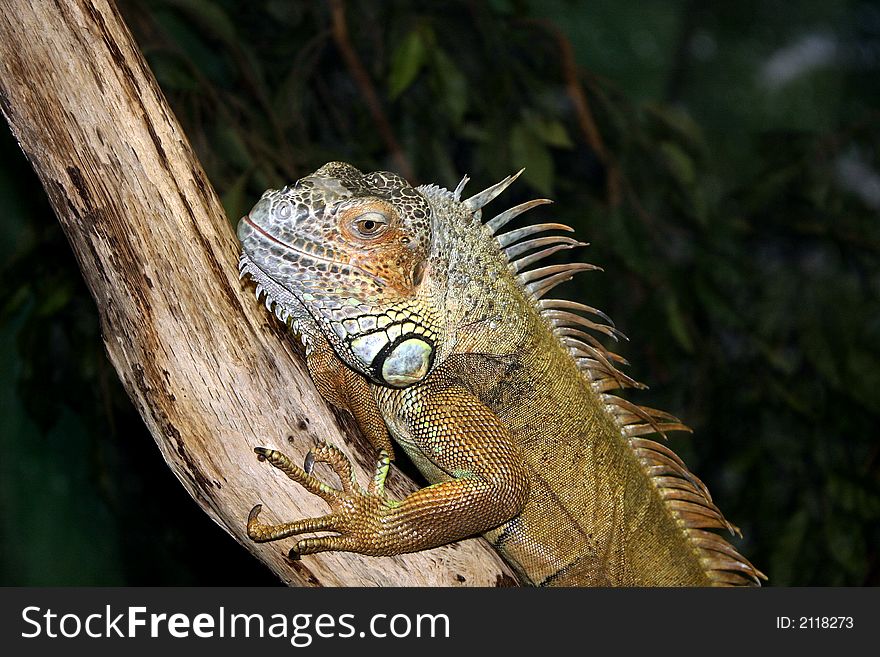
344, 253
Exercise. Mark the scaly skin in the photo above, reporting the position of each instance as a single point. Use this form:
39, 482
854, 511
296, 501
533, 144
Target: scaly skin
425, 323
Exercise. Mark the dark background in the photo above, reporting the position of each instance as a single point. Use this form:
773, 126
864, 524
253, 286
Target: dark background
724, 166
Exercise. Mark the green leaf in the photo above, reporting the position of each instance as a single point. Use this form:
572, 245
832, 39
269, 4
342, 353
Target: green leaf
234, 198
789, 395
502, 6
527, 149
554, 134
550, 131
680, 164
474, 132
452, 86
788, 546
678, 325
192, 42
820, 352
229, 143
677, 120
211, 17
57, 298
717, 306
406, 61
172, 72
863, 376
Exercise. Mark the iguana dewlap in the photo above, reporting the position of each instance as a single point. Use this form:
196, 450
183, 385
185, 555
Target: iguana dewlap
434, 326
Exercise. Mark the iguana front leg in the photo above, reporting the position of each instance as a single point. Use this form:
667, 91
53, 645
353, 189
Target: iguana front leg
345, 388
461, 437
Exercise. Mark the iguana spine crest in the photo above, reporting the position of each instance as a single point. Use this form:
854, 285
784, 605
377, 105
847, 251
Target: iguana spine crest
686, 497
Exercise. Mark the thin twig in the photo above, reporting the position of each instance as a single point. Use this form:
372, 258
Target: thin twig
368, 91
586, 122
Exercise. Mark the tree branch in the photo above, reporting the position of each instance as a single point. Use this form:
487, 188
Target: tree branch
209, 370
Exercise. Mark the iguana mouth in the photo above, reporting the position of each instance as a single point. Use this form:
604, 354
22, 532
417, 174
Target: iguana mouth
262, 231
307, 254
287, 306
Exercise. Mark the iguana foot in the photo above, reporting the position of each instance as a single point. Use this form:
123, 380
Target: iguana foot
333, 456
356, 514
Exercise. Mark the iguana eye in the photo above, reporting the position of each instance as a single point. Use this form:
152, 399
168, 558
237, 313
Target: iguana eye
369, 224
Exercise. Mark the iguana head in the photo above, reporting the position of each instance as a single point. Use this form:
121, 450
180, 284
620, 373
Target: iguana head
346, 253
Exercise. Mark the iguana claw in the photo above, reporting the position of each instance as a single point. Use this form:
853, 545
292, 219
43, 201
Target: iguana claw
354, 509
309, 462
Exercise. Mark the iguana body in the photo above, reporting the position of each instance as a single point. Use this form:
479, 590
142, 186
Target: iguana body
428, 323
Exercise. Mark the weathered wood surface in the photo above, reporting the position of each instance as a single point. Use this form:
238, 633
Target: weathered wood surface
210, 371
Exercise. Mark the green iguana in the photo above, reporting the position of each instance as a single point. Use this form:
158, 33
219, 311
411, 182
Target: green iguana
432, 327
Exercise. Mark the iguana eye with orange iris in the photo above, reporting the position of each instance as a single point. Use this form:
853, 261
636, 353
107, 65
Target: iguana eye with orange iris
369, 225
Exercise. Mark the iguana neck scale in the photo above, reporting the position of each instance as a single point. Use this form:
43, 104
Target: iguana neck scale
434, 328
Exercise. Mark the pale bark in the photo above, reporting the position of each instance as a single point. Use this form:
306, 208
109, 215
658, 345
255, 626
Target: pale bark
210, 371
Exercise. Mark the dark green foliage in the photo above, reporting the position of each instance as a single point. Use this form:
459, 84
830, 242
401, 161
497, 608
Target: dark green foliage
733, 203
